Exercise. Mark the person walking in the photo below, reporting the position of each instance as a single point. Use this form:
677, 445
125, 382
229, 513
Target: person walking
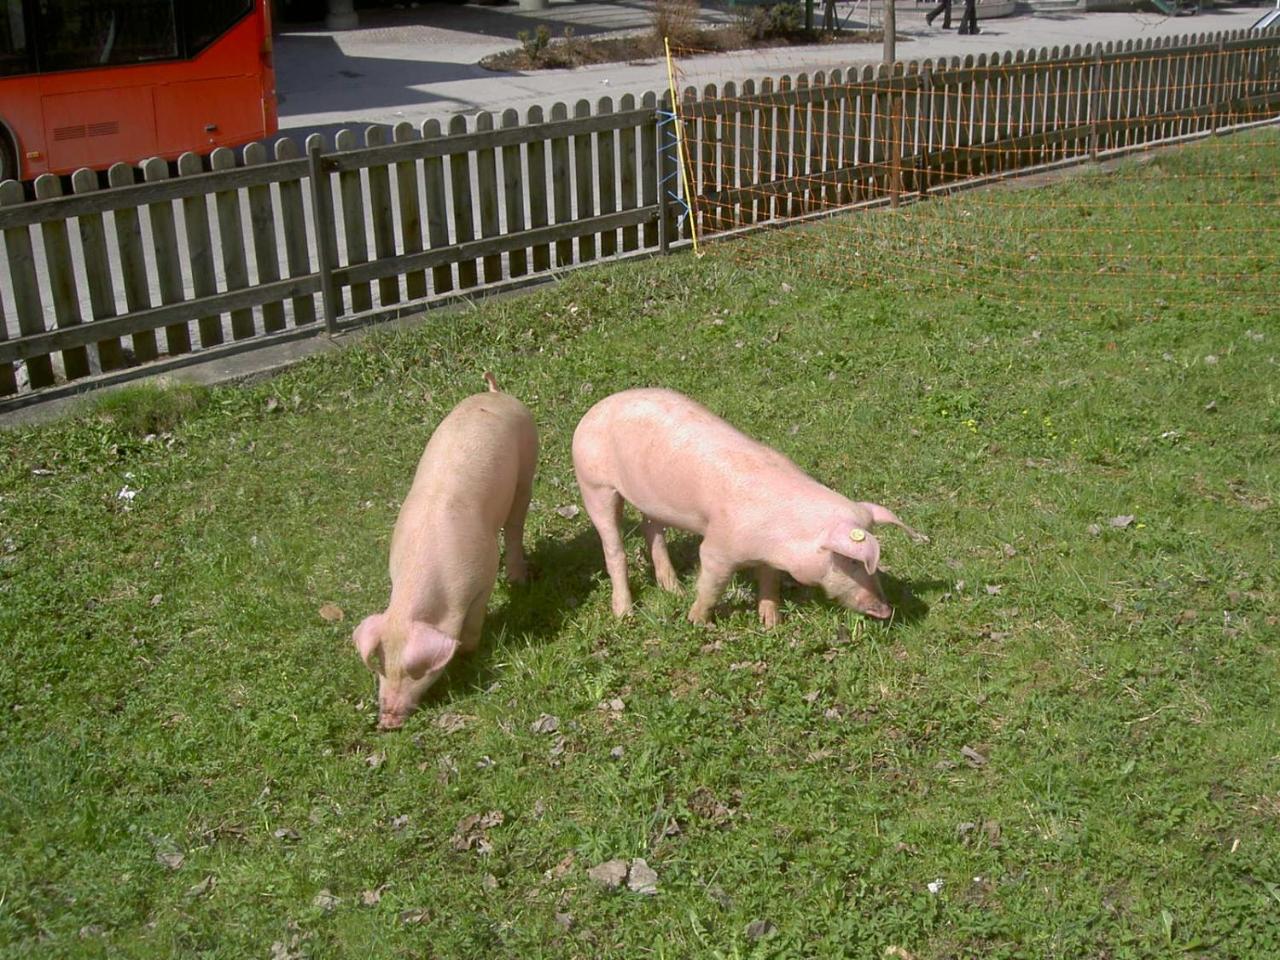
969, 19
944, 8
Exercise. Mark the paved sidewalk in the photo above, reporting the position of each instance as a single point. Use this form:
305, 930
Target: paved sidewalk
420, 63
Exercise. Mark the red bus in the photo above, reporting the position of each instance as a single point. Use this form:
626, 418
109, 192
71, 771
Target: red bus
87, 83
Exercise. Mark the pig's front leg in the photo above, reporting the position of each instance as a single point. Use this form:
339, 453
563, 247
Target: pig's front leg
769, 582
662, 568
604, 507
473, 623
717, 569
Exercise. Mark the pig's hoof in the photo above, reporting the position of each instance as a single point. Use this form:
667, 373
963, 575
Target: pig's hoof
696, 616
622, 609
671, 585
768, 619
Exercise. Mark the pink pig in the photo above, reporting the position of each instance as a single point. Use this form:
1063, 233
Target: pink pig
682, 466
474, 478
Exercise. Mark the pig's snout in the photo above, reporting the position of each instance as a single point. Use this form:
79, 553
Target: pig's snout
390, 721
879, 609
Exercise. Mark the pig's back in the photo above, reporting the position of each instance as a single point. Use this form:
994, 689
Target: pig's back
673, 458
478, 451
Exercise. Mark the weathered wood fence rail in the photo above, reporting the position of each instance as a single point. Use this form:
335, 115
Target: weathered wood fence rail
106, 283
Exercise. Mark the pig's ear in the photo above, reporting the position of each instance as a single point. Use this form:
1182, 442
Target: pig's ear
855, 543
368, 640
881, 515
426, 650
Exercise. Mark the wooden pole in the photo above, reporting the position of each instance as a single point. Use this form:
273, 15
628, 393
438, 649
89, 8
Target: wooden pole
890, 33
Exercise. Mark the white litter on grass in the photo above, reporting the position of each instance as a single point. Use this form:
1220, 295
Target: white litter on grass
127, 493
935, 886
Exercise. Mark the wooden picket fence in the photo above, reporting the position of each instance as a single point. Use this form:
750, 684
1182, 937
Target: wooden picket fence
806, 146
106, 284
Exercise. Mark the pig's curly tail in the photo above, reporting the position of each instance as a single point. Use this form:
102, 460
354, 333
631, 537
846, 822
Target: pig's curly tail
490, 379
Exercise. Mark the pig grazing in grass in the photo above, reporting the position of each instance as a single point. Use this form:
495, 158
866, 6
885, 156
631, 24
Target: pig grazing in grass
474, 478
682, 466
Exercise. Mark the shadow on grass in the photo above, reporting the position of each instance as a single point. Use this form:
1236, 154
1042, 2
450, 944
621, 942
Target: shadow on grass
560, 578
563, 574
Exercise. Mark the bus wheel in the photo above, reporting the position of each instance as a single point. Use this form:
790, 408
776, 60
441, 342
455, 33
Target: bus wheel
8, 158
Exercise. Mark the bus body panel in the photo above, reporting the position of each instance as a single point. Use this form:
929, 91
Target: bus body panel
130, 113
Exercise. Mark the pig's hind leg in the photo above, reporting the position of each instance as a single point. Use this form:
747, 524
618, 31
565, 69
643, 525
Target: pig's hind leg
604, 507
662, 568
513, 533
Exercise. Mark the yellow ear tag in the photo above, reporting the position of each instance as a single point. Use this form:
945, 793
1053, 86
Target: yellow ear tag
857, 534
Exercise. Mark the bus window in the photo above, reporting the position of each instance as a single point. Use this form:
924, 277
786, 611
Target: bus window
89, 33
204, 22
14, 55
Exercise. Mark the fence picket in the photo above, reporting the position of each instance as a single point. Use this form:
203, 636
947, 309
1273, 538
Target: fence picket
437, 210
650, 172
294, 218
584, 183
607, 174
410, 211
195, 216
352, 190
513, 191
463, 214
627, 174
384, 227
266, 252
536, 160
487, 195
164, 243
235, 265
133, 264
97, 272
561, 185
62, 277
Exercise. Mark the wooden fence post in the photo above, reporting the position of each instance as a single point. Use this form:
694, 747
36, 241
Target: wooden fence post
1218, 83
1095, 83
661, 167
326, 232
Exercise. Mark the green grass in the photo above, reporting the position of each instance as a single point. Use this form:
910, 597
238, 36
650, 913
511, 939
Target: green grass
170, 687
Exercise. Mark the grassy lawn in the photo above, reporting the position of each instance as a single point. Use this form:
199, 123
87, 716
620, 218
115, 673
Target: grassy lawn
1065, 745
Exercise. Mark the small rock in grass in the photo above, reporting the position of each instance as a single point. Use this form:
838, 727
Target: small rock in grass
617, 752
203, 887
171, 859
609, 874
453, 722
412, 917
568, 511
642, 878
1094, 530
331, 612
371, 898
545, 724
564, 921
759, 929
1010, 550
974, 758
1122, 521
326, 901
286, 833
